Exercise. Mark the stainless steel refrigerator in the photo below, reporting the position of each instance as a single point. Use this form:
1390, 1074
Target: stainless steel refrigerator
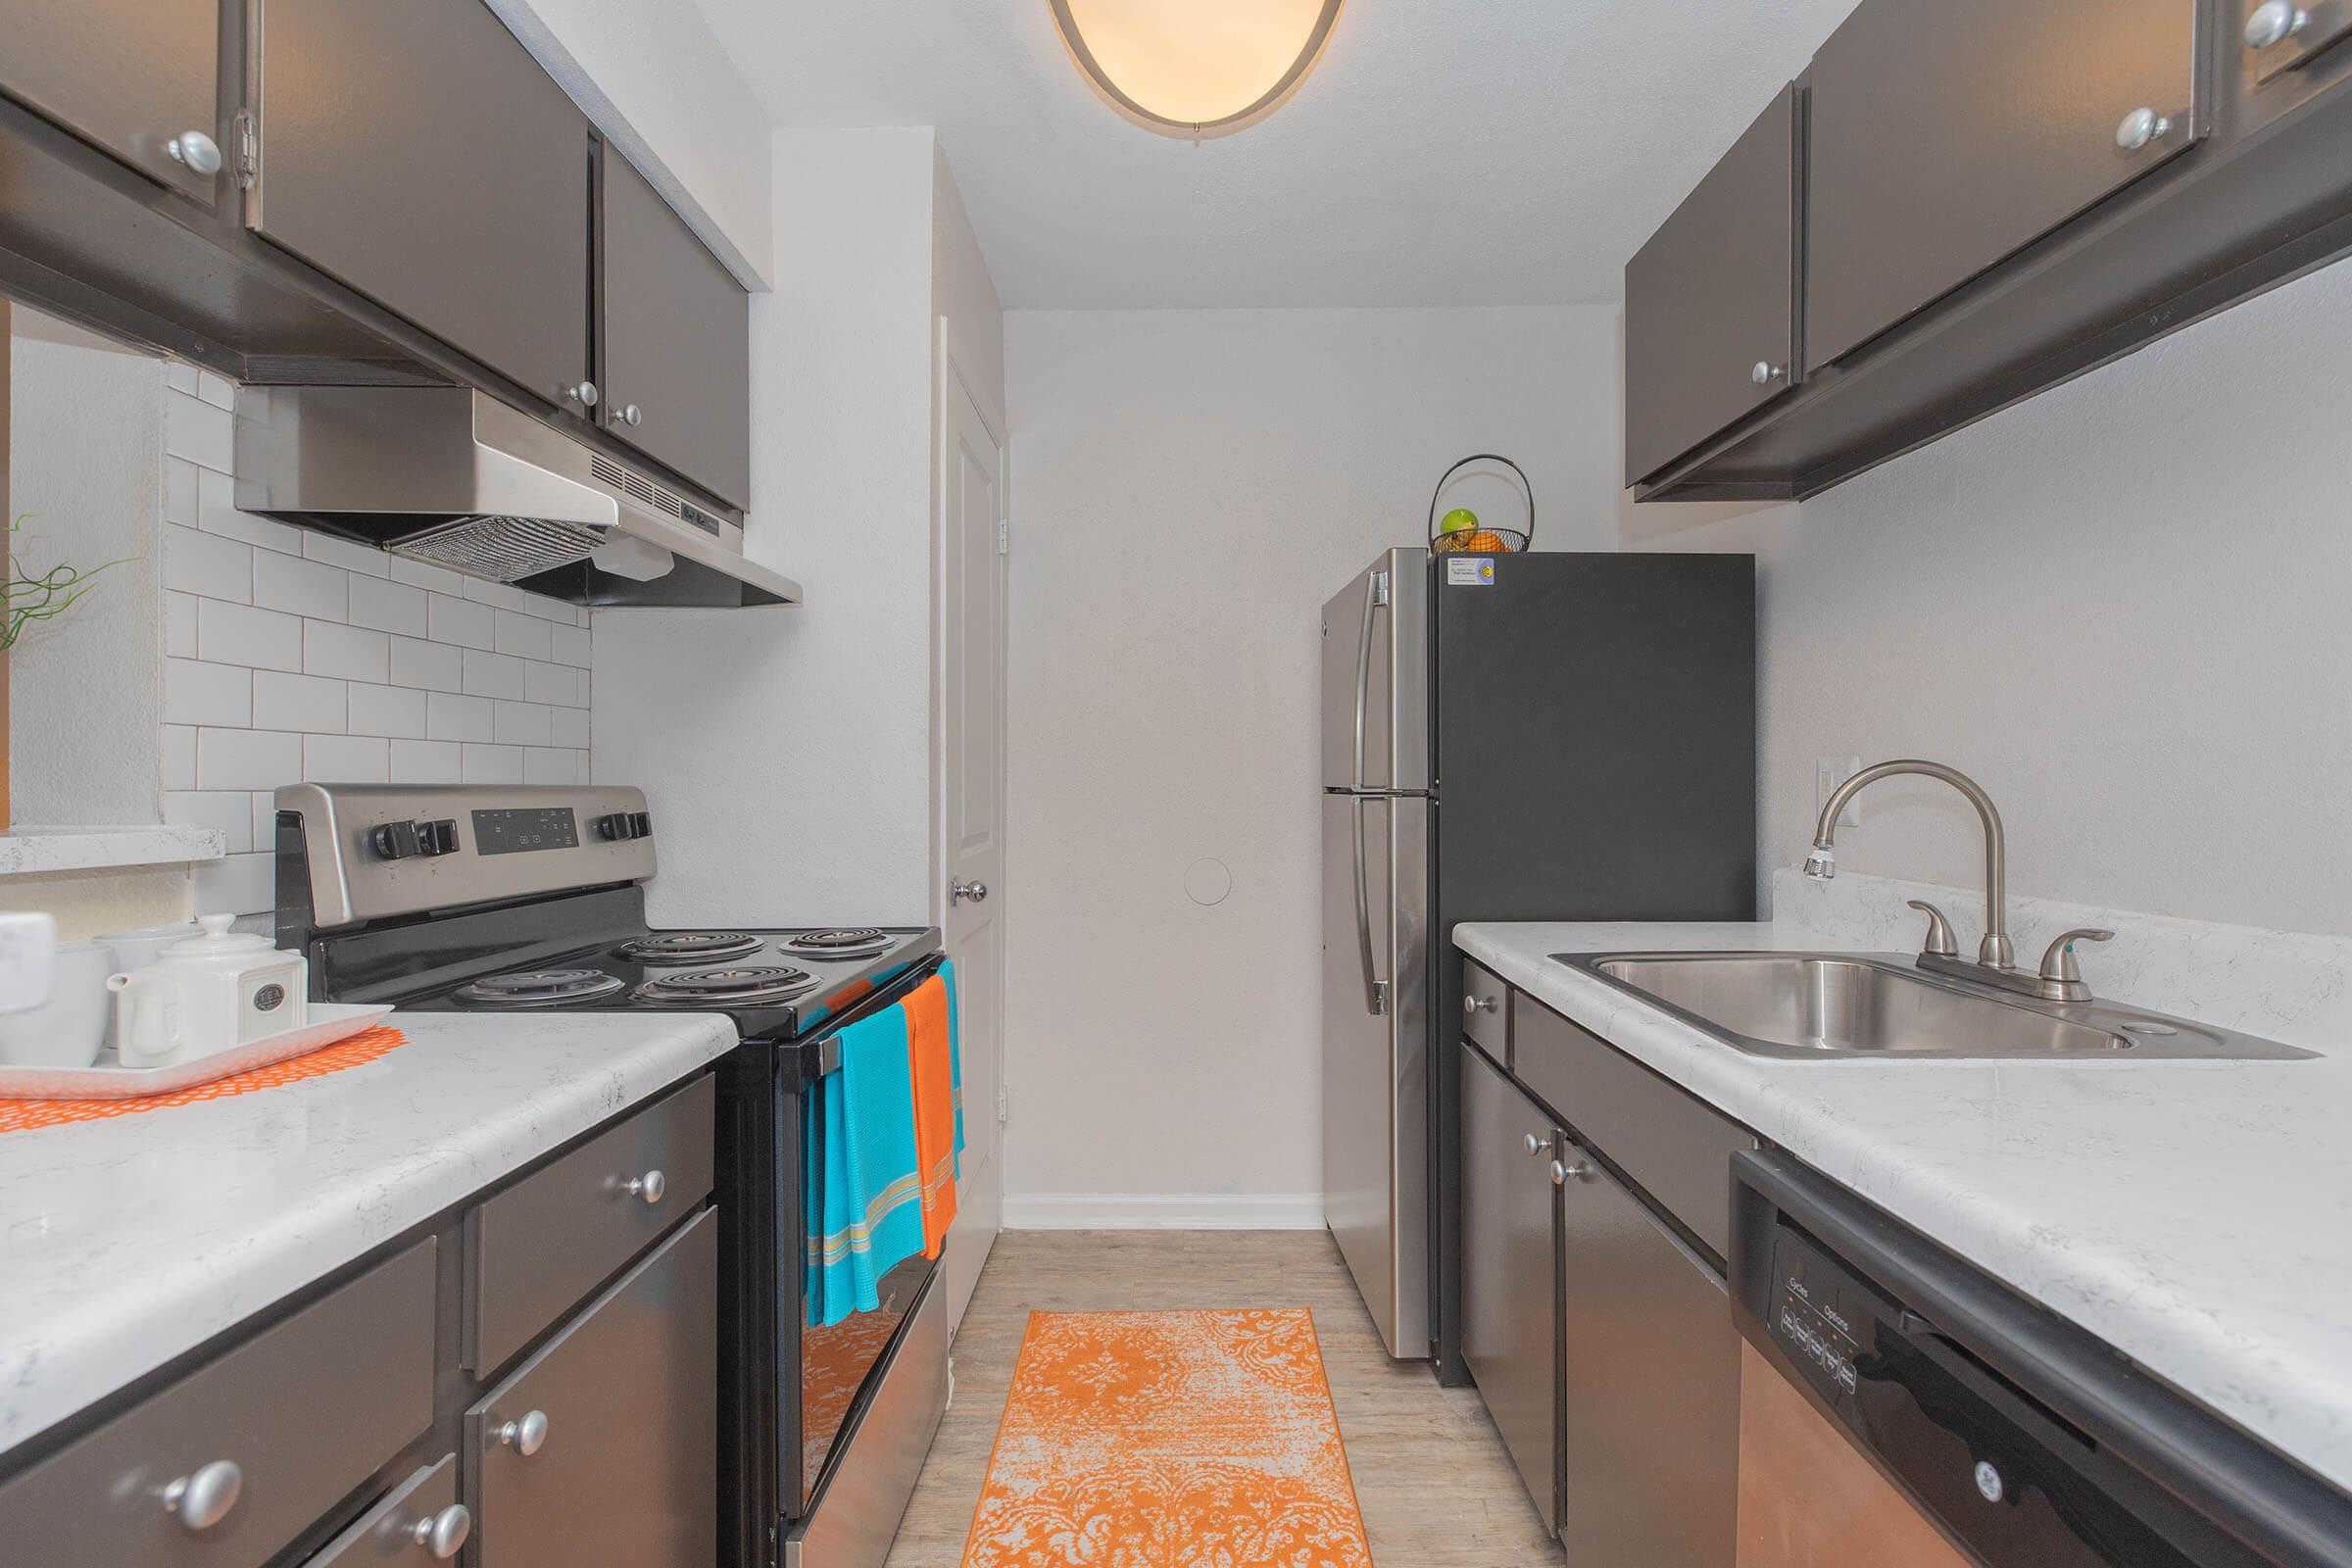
1533, 737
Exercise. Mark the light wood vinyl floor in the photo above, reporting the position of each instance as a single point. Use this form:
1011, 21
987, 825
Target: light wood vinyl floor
1435, 1484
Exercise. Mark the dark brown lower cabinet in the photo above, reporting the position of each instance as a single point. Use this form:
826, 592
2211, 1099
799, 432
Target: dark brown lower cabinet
1510, 1338
603, 1447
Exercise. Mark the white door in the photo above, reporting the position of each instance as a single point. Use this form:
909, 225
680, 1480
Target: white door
972, 806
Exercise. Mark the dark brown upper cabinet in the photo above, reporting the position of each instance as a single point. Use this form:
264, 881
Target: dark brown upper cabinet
676, 346
1946, 137
1710, 302
138, 78
419, 154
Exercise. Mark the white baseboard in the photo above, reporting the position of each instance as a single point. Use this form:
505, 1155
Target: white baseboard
1163, 1211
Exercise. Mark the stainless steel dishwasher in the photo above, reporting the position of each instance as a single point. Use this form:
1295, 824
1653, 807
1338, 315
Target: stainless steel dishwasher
1902, 1407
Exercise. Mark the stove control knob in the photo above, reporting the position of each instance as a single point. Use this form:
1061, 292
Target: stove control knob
641, 824
438, 838
396, 840
621, 827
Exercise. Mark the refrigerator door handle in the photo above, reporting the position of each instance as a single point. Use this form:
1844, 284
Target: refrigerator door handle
1376, 991
1376, 594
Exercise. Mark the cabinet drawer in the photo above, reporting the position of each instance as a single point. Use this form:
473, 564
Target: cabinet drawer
305, 1412
1678, 1149
537, 1247
620, 1415
419, 1524
1487, 1012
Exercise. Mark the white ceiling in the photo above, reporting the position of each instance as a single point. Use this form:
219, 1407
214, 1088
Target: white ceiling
1443, 152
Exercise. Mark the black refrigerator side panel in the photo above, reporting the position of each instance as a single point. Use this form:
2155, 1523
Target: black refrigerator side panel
1593, 730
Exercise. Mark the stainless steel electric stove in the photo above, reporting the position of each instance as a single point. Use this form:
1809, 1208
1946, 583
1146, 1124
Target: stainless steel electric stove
499, 899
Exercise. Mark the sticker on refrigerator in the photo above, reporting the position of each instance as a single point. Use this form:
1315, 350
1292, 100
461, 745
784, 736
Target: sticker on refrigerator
1470, 571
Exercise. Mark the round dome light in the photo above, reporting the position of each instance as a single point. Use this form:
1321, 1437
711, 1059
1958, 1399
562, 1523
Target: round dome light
1195, 67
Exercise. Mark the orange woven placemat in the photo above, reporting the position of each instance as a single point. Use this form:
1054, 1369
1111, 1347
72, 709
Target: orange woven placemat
15, 1115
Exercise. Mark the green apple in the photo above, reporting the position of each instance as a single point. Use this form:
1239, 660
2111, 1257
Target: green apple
1461, 519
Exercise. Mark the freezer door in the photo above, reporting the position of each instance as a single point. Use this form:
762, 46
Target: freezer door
1375, 643
1375, 1065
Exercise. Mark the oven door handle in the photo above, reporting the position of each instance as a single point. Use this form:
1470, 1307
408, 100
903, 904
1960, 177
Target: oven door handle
827, 1060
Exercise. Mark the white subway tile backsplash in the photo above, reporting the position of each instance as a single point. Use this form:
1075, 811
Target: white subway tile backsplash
523, 635
419, 575
238, 884
265, 818
571, 646
559, 684
366, 559
240, 634
207, 694
500, 594
427, 762
451, 717
459, 621
213, 389
217, 514
197, 562
493, 675
558, 612
386, 711
346, 760
522, 724
301, 587
569, 726
199, 431
387, 606
180, 491
492, 765
297, 701
543, 765
179, 756
427, 666
247, 759
179, 624
228, 813
349, 653
180, 377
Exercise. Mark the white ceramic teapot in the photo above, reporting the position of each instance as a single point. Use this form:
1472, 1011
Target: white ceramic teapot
207, 994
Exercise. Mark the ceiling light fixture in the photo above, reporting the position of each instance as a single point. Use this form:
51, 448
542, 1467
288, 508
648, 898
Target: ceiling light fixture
1196, 68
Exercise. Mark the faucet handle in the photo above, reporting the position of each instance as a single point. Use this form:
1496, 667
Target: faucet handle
2058, 964
1940, 943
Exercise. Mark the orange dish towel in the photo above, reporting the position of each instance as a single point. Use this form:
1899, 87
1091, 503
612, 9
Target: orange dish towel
938, 1119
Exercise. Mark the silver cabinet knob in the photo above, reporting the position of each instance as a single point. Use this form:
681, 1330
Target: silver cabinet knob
977, 892
1472, 1006
1765, 373
629, 413
1536, 1148
651, 1187
2139, 128
441, 1535
2274, 21
1565, 1171
527, 1435
203, 1498
584, 394
196, 150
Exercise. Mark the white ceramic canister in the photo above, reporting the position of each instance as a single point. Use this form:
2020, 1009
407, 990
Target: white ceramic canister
66, 1030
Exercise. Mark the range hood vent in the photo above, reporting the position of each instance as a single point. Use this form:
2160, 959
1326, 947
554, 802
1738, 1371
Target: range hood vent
450, 477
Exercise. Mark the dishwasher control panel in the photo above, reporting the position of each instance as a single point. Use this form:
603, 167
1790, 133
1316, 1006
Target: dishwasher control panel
1821, 1316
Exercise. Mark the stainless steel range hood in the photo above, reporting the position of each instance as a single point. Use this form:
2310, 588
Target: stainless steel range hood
450, 477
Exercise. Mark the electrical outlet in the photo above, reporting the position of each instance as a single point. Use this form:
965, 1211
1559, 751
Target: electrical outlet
1828, 774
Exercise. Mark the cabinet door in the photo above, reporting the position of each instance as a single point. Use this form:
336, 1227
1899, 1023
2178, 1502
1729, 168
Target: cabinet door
619, 1415
1710, 302
677, 345
1946, 137
128, 76
1509, 1273
1649, 1360
418, 154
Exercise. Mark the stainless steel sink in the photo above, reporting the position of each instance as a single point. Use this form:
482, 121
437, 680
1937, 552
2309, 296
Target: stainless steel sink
1823, 1004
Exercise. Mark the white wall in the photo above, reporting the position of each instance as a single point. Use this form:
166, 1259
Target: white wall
800, 749
660, 86
2122, 606
1189, 488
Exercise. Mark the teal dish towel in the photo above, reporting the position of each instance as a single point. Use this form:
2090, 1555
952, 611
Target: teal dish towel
865, 1215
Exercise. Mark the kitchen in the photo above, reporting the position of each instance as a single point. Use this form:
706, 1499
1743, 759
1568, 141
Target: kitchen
865, 367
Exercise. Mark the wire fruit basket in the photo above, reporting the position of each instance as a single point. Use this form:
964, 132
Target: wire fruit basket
1477, 538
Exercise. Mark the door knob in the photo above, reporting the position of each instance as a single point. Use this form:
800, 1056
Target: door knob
442, 1534
2139, 128
977, 892
196, 150
203, 1497
527, 1435
2274, 21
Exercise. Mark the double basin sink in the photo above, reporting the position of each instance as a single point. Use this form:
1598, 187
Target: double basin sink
1811, 1005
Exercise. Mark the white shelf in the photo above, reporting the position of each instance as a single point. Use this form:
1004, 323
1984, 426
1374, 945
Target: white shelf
25, 851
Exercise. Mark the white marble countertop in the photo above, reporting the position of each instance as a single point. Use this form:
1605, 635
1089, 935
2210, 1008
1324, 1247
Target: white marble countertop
127, 1241
2195, 1215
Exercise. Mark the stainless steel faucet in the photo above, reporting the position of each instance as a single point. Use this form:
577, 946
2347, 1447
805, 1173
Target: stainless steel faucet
2059, 979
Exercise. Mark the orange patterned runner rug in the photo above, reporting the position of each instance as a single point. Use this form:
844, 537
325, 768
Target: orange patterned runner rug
1169, 1440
